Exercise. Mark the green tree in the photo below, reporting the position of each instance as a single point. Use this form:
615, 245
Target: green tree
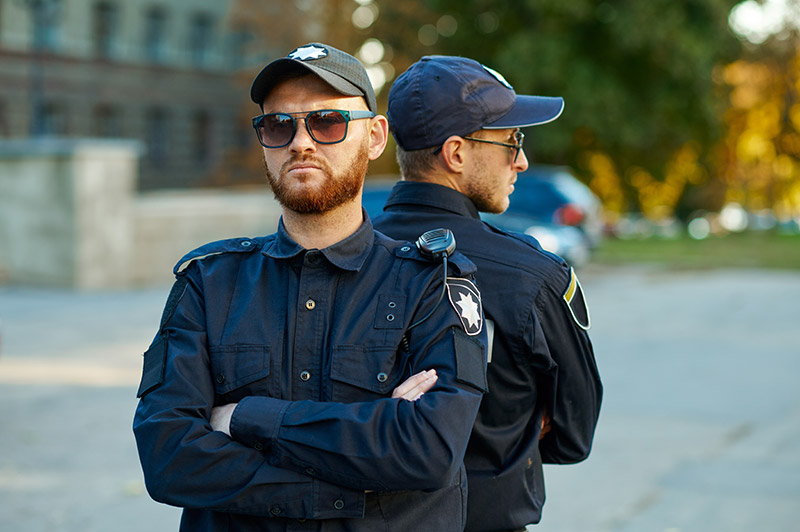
642, 108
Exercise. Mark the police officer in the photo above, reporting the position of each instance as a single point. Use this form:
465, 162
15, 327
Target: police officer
275, 394
457, 126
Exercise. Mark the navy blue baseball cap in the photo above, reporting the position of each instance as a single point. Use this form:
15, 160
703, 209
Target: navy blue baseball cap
338, 69
440, 96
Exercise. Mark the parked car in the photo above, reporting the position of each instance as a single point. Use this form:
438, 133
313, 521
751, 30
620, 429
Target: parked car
548, 203
376, 192
551, 205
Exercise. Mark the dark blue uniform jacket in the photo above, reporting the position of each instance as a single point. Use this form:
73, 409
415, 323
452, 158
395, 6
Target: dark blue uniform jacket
540, 356
308, 342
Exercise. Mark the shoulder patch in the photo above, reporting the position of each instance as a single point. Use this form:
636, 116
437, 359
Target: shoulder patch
231, 245
573, 297
466, 300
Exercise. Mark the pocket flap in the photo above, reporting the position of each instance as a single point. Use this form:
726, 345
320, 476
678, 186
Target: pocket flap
238, 365
368, 368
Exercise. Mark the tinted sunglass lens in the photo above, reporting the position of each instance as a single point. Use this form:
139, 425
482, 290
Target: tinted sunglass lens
276, 130
327, 126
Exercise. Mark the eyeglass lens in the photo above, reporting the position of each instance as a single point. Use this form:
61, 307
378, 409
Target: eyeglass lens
325, 127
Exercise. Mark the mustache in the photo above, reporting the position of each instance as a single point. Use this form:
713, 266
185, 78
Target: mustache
303, 158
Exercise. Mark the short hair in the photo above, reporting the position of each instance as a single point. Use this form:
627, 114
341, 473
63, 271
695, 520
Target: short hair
414, 164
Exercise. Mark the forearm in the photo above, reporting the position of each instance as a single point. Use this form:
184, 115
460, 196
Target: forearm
187, 465
572, 392
380, 445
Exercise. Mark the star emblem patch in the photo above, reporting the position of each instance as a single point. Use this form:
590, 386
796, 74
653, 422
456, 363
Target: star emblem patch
466, 300
310, 51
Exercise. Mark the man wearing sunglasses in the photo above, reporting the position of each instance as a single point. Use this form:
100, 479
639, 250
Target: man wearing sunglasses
316, 378
457, 126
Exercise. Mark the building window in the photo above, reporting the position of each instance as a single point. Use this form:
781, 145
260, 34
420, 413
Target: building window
107, 122
239, 41
201, 35
155, 34
51, 119
45, 16
106, 21
202, 141
5, 130
156, 136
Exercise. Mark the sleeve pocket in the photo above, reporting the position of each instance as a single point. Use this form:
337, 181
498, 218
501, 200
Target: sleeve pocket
235, 366
470, 361
155, 358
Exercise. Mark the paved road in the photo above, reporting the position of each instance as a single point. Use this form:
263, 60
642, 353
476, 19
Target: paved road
698, 432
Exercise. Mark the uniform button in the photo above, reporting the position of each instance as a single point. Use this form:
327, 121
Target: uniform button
275, 510
246, 244
338, 504
258, 446
304, 375
382, 377
405, 248
310, 471
310, 304
220, 378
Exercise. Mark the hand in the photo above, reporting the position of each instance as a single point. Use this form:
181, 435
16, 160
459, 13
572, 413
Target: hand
416, 385
221, 418
545, 424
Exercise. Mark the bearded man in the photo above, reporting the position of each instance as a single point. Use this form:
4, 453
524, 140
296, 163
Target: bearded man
315, 378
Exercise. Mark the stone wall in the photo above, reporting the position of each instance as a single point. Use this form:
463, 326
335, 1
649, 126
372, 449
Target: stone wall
70, 216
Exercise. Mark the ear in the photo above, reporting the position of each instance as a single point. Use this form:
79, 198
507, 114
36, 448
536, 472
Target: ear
378, 136
454, 154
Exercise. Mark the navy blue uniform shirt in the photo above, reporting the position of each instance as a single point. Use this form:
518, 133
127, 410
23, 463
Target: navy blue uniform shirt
309, 343
540, 356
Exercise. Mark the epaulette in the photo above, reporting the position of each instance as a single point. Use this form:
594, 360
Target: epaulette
230, 245
459, 264
529, 241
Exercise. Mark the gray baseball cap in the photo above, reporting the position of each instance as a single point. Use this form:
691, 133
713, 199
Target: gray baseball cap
338, 69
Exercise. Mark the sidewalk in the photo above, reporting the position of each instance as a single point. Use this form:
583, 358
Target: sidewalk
698, 433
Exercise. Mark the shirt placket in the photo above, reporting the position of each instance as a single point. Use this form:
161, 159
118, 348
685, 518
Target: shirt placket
309, 327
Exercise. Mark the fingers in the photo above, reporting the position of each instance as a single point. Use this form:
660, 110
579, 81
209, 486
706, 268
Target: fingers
545, 425
415, 386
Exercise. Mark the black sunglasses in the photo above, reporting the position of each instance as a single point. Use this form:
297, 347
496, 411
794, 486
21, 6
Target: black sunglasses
519, 136
326, 126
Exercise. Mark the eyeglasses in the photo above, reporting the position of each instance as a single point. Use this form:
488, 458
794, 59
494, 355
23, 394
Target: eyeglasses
326, 126
519, 136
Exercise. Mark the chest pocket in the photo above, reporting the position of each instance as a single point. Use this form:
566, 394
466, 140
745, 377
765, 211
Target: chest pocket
361, 373
240, 368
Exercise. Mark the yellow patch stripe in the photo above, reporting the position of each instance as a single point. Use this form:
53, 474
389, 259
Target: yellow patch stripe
573, 286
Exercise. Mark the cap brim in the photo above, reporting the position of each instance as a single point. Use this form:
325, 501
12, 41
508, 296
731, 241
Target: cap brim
271, 73
530, 111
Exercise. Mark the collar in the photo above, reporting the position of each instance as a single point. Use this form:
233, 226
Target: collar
431, 195
348, 254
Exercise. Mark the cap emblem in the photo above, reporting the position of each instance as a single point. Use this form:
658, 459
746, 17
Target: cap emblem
498, 76
310, 51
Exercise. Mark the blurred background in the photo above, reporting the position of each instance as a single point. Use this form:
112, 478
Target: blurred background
682, 117
672, 181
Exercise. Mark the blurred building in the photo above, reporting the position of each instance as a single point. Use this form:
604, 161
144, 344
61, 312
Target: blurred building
159, 71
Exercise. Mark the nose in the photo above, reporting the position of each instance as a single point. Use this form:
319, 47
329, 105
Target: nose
521, 164
302, 141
